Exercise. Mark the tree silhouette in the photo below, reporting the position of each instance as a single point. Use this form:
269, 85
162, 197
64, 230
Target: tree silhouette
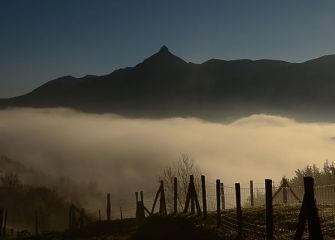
182, 169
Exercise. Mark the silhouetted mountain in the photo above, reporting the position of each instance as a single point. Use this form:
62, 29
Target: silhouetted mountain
164, 85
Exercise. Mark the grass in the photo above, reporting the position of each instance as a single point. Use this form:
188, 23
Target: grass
192, 227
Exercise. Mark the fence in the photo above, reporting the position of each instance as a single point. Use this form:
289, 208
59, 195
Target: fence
267, 210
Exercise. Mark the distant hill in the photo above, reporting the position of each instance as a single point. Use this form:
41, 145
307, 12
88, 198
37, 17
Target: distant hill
164, 85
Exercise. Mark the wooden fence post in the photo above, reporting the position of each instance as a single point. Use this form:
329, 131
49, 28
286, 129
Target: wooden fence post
252, 193
140, 211
192, 198
108, 209
269, 209
99, 212
141, 194
175, 195
238, 210
136, 196
218, 203
156, 198
285, 186
309, 212
162, 205
204, 199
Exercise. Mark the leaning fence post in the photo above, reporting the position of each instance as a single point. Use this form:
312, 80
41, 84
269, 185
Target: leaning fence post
218, 203
175, 195
121, 215
251, 193
108, 209
203, 191
269, 209
238, 210
309, 212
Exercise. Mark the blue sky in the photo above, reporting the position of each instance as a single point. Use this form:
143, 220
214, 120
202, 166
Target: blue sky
44, 39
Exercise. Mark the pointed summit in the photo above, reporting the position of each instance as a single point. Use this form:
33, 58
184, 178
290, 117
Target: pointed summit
162, 58
164, 49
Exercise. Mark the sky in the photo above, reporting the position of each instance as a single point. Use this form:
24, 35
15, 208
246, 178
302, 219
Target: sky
41, 40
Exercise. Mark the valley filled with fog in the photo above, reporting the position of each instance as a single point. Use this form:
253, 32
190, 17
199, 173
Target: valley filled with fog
116, 152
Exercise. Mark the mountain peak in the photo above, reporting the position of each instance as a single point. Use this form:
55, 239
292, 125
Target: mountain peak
164, 49
162, 58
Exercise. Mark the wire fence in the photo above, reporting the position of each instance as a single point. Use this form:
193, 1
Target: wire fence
286, 208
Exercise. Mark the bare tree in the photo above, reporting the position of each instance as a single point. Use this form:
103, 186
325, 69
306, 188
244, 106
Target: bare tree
10, 179
182, 169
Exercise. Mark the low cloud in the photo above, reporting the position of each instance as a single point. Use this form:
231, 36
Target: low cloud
123, 155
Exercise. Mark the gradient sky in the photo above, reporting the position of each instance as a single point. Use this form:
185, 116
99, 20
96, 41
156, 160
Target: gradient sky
44, 39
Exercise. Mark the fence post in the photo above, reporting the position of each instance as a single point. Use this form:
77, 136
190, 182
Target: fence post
238, 210
218, 203
309, 212
142, 205
162, 207
140, 211
108, 209
285, 186
203, 191
252, 193
314, 224
192, 195
175, 195
137, 212
269, 209
99, 215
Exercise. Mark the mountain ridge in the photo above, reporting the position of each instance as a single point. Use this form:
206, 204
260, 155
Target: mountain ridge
164, 85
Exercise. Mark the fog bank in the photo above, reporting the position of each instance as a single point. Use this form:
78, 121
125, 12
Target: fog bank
123, 155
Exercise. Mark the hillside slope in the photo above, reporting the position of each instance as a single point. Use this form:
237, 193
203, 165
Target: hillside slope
164, 85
